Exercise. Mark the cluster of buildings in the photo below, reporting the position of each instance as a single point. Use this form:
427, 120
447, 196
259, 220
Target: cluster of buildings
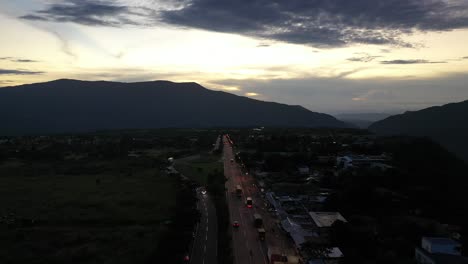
303, 217
363, 161
306, 227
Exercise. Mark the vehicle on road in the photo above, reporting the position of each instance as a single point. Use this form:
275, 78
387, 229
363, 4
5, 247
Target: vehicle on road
239, 191
235, 224
232, 160
261, 233
258, 221
249, 202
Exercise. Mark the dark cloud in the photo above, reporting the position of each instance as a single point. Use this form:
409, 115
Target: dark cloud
365, 58
92, 13
34, 17
24, 60
410, 62
19, 72
320, 23
12, 59
326, 23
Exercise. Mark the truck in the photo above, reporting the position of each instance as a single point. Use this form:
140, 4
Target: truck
258, 221
249, 202
261, 233
238, 191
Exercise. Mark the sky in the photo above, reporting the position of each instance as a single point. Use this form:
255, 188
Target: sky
333, 56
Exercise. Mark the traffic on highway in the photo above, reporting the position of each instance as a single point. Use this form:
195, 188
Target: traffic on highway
245, 205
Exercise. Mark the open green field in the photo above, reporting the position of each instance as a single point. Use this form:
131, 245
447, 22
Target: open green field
82, 212
199, 167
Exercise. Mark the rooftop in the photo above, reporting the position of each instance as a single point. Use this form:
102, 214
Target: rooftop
326, 219
441, 241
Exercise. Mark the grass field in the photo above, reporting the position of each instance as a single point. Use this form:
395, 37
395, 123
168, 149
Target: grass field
198, 167
112, 214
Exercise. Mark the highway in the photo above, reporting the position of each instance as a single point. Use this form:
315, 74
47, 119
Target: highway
205, 249
247, 247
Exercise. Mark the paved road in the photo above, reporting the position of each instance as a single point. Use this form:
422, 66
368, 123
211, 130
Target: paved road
248, 249
216, 145
204, 249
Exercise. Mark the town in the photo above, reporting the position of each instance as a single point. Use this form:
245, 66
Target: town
258, 195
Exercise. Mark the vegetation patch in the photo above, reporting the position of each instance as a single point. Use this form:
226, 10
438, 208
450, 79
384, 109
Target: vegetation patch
110, 211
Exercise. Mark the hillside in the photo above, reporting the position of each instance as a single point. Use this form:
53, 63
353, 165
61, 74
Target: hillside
82, 106
447, 124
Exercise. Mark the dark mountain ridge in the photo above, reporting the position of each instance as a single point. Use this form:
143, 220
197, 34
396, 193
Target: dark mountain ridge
447, 124
81, 106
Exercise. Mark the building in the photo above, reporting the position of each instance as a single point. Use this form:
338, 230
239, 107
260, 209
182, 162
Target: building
278, 256
333, 256
280, 259
439, 250
326, 219
299, 229
352, 161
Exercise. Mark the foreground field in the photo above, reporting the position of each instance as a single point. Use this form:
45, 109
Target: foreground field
199, 167
83, 212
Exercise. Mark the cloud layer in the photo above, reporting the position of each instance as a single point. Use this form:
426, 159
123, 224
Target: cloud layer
410, 62
94, 13
19, 72
322, 23
12, 59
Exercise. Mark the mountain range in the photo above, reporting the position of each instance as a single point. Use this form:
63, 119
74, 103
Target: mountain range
361, 120
447, 124
82, 106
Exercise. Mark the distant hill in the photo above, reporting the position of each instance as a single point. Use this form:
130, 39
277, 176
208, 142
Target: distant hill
447, 124
82, 106
361, 120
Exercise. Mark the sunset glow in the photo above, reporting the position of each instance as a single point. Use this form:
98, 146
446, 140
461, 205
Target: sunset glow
36, 46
